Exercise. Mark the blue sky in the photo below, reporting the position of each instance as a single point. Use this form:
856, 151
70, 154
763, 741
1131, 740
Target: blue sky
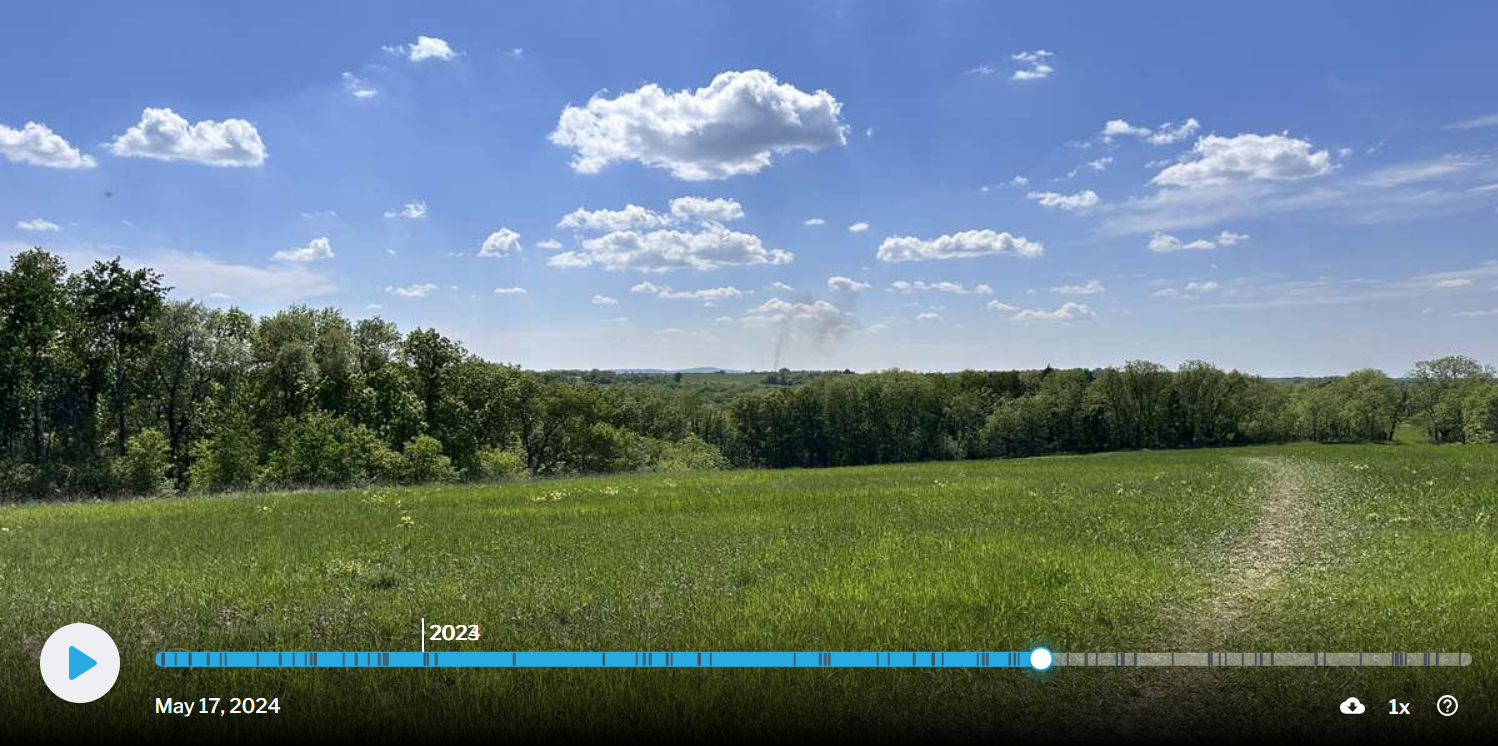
1304, 188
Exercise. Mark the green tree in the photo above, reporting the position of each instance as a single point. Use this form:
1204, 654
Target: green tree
33, 302
118, 305
142, 469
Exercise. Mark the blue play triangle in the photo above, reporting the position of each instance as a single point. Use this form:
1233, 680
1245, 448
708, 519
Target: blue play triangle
78, 663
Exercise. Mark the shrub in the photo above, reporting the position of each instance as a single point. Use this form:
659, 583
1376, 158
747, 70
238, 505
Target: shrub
230, 460
321, 449
691, 453
422, 461
21, 481
143, 468
1480, 414
501, 463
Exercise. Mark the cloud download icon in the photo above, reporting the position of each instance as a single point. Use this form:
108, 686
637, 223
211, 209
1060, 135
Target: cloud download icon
1352, 707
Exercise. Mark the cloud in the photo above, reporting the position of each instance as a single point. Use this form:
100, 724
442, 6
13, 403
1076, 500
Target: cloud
1033, 65
1164, 243
194, 275
1412, 173
702, 210
1476, 314
846, 285
726, 292
358, 87
958, 246
37, 145
735, 125
782, 287
1100, 164
38, 225
683, 210
1083, 200
502, 242
424, 48
1067, 312
1118, 127
699, 241
928, 316
858, 227
604, 300
906, 287
1487, 120
410, 211
1168, 133
1454, 282
415, 290
1189, 291
317, 248
164, 135
823, 319
1091, 287
709, 294
1216, 161
550, 244
510, 291
1001, 307
599, 221
814, 221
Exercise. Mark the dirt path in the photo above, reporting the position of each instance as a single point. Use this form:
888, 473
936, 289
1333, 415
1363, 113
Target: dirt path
1252, 567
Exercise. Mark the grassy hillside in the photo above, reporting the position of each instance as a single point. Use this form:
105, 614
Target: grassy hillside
1382, 548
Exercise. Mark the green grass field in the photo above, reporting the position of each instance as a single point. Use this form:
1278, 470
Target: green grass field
1379, 548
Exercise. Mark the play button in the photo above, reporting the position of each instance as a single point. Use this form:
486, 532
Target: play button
80, 663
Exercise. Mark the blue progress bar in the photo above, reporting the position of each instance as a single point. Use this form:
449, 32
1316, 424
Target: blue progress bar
621, 659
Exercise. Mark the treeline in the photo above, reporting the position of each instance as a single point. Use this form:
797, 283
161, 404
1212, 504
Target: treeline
108, 388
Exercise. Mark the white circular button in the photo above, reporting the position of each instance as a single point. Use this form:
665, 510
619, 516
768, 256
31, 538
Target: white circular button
1040, 659
80, 662
1446, 705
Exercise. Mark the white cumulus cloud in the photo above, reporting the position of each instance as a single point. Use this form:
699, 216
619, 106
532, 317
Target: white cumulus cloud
698, 209
906, 287
692, 236
846, 285
1164, 243
38, 225
604, 300
1067, 312
164, 135
424, 48
958, 245
814, 221
599, 221
858, 227
410, 211
317, 248
502, 242
1083, 200
414, 290
1033, 65
1193, 289
37, 145
510, 291
1215, 161
734, 125
1091, 287
358, 87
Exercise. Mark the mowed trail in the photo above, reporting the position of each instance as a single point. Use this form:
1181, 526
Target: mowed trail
1251, 568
